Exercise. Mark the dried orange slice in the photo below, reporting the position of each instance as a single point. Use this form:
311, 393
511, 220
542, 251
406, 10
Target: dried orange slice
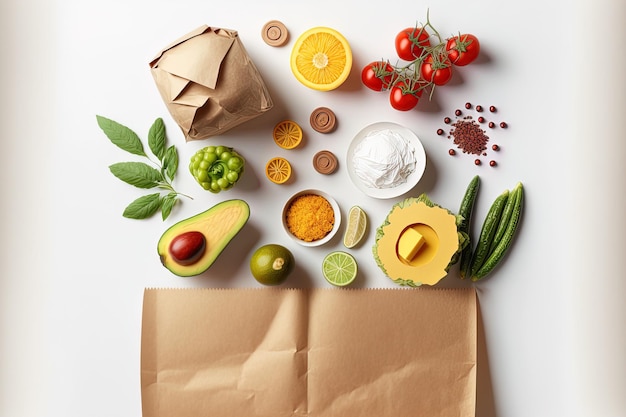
278, 170
321, 58
287, 134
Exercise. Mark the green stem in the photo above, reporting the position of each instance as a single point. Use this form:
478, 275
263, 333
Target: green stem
431, 26
411, 71
167, 186
185, 195
155, 163
218, 170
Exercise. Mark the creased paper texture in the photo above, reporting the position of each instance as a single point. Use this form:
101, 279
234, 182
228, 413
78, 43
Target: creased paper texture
209, 83
309, 352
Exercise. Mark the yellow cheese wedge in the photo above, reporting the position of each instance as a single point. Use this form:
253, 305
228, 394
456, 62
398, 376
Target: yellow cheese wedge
410, 242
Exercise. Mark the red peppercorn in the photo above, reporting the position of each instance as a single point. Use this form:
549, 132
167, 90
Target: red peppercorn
503, 125
492, 109
495, 147
440, 132
493, 163
481, 119
477, 162
479, 108
468, 105
458, 112
469, 137
492, 125
452, 152
447, 120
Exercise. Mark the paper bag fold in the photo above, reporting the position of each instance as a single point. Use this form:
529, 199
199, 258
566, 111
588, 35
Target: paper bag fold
317, 352
209, 82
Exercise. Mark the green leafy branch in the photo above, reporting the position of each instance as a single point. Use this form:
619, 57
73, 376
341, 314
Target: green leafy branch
142, 175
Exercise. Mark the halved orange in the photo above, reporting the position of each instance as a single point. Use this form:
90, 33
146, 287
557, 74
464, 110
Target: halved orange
278, 170
287, 134
321, 58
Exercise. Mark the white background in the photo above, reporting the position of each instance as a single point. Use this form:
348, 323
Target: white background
72, 270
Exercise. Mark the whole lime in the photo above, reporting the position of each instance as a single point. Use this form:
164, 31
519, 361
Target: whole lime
271, 264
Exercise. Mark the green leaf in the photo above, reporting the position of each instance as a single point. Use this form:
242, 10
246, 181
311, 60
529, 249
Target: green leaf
407, 283
138, 174
156, 138
168, 204
121, 136
170, 162
143, 207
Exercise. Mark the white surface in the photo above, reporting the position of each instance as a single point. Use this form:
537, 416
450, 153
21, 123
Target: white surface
72, 270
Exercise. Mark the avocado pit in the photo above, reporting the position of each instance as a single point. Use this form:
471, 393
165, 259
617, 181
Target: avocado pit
187, 248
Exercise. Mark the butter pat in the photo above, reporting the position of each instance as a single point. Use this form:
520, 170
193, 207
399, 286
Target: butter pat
409, 244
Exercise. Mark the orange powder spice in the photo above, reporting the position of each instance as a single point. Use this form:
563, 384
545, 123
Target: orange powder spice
310, 217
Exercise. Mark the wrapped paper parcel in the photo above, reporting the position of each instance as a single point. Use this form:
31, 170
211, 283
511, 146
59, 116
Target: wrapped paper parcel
309, 352
209, 83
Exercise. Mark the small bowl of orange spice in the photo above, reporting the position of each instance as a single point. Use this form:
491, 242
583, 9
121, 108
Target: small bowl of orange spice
311, 217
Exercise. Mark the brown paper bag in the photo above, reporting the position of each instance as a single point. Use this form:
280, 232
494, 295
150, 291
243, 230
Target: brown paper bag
209, 83
309, 352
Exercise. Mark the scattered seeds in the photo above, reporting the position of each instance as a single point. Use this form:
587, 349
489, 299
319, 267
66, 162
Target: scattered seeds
467, 133
469, 136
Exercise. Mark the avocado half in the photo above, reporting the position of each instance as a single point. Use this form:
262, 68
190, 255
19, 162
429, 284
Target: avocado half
218, 225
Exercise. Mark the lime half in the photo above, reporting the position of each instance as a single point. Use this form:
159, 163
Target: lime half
339, 268
357, 223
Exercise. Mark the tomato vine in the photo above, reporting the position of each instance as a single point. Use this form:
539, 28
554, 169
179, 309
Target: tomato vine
430, 59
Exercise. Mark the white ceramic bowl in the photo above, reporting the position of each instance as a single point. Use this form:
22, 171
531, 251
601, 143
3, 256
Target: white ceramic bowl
330, 234
413, 178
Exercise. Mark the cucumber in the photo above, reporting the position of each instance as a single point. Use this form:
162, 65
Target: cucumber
465, 210
490, 224
503, 246
467, 204
504, 219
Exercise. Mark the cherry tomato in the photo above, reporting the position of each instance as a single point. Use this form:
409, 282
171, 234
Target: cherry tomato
410, 43
463, 49
438, 71
402, 97
377, 75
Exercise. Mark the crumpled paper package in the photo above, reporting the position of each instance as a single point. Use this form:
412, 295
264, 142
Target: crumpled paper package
209, 83
309, 352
